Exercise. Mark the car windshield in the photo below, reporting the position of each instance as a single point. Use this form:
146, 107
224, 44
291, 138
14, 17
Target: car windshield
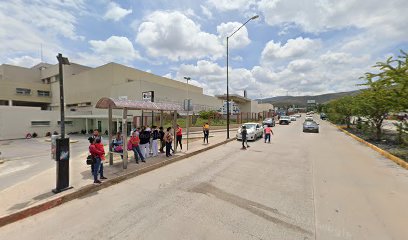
309, 123
250, 126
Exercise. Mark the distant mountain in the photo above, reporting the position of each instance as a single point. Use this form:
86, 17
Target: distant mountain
301, 101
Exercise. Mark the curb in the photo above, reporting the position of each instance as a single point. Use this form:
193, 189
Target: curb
384, 153
14, 217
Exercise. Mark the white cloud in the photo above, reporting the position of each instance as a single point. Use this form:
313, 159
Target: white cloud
293, 48
25, 25
114, 49
378, 24
206, 12
239, 39
115, 12
24, 61
176, 37
230, 5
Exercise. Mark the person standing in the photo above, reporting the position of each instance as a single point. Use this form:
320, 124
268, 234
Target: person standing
144, 142
168, 138
244, 134
179, 136
97, 156
96, 135
268, 132
206, 131
148, 129
155, 139
161, 137
133, 144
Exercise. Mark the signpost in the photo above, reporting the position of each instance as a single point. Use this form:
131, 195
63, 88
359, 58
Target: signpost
148, 97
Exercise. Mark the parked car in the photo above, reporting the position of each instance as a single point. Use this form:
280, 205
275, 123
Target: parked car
270, 122
293, 118
284, 120
323, 116
254, 131
310, 126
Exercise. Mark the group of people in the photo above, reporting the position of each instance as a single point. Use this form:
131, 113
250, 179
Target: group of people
144, 142
267, 131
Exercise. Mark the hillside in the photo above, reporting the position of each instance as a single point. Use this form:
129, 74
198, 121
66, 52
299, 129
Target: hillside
301, 101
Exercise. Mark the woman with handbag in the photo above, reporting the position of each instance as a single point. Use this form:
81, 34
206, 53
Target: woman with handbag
97, 155
117, 144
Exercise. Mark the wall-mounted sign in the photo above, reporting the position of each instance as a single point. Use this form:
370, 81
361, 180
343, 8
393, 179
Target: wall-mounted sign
148, 96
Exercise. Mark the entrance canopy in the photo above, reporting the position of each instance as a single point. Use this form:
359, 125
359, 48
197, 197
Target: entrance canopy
106, 103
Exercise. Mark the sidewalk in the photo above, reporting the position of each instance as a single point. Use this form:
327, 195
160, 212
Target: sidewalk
37, 190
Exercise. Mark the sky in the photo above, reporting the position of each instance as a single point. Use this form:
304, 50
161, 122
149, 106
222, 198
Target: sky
306, 47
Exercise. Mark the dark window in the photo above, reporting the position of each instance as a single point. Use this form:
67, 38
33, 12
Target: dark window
23, 91
66, 122
43, 93
40, 123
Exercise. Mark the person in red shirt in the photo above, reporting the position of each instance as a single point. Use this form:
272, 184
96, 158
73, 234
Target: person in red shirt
179, 136
133, 144
97, 154
268, 132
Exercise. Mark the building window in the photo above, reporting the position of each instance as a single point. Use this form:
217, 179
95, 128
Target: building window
40, 123
83, 104
66, 123
23, 91
46, 80
43, 93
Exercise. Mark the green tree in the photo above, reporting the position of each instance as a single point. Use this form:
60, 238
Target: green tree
387, 91
341, 110
375, 103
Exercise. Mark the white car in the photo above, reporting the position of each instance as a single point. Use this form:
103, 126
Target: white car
293, 118
308, 118
254, 131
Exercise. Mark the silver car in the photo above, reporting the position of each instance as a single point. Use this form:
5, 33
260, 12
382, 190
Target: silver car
310, 126
254, 131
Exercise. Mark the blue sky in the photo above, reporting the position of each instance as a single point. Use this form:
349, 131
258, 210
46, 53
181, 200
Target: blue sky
299, 47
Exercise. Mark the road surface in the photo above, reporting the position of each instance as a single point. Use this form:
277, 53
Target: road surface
301, 186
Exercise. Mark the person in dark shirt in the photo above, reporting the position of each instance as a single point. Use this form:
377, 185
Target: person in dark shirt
144, 142
161, 137
155, 139
244, 138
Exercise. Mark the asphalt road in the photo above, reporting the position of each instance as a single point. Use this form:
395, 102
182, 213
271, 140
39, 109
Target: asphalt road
301, 186
26, 158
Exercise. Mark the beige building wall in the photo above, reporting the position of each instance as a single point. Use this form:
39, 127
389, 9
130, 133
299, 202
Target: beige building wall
265, 107
16, 122
13, 77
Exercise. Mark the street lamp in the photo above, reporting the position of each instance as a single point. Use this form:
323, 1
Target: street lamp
188, 109
228, 37
62, 61
62, 144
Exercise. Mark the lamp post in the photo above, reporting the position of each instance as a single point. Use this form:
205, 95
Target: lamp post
62, 61
62, 144
188, 110
228, 37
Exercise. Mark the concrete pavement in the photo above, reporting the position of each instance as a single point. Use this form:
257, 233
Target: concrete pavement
31, 179
301, 186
